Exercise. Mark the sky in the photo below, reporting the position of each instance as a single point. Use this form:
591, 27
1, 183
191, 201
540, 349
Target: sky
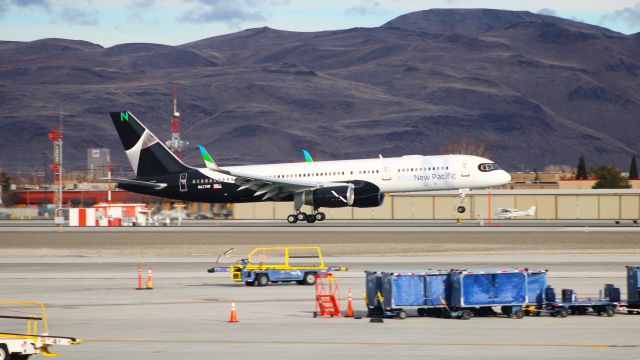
174, 22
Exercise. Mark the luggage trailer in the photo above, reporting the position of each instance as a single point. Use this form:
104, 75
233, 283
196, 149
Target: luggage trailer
543, 301
631, 305
20, 346
569, 304
390, 294
448, 293
633, 290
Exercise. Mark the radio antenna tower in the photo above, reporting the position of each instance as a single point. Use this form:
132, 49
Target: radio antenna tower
176, 144
55, 135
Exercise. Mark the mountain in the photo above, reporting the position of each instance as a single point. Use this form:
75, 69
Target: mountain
536, 89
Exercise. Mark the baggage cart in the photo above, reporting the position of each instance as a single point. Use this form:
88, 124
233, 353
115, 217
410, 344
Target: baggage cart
480, 290
453, 293
391, 294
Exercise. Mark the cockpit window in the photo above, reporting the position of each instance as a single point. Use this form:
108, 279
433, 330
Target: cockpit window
488, 167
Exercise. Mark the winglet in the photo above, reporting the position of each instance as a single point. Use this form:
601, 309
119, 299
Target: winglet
208, 160
307, 157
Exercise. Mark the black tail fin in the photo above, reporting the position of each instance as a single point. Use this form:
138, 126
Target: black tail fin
148, 155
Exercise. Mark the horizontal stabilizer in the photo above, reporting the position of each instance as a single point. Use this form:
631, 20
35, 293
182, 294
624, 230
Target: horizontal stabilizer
152, 185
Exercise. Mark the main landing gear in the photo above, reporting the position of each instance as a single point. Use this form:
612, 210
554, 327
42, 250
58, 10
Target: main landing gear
301, 216
310, 218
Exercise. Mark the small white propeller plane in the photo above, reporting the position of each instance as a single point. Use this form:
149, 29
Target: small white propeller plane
506, 213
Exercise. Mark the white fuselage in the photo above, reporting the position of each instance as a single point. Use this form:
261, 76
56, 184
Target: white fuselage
392, 175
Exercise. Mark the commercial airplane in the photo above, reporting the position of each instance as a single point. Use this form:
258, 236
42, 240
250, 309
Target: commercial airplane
320, 184
511, 213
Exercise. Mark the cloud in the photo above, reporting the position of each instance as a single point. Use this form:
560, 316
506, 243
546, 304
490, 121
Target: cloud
26, 3
230, 12
547, 11
5, 5
628, 15
77, 16
143, 3
365, 7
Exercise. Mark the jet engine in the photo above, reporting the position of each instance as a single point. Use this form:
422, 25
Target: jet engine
331, 197
368, 201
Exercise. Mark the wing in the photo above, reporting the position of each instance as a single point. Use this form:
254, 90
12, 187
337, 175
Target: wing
263, 185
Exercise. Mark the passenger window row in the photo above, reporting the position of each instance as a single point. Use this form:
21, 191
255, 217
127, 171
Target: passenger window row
288, 176
435, 168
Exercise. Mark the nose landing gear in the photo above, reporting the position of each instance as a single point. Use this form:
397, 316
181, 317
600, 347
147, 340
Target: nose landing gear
461, 199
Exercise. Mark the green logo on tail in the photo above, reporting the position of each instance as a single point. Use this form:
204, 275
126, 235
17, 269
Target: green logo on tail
124, 116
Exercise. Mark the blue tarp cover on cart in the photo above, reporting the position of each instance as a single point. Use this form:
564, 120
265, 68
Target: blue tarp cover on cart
488, 287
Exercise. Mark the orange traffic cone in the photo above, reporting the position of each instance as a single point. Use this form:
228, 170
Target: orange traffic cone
349, 312
233, 317
139, 278
149, 279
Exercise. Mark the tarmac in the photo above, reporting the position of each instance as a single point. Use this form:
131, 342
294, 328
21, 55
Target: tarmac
87, 281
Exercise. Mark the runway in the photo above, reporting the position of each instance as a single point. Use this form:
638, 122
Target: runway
344, 226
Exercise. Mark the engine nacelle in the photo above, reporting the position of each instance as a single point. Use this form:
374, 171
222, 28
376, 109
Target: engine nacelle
330, 197
373, 200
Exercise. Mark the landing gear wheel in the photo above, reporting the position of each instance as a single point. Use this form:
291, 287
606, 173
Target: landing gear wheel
292, 219
311, 218
309, 279
320, 216
301, 216
461, 209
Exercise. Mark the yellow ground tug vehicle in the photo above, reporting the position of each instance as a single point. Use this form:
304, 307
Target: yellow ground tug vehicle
20, 346
279, 264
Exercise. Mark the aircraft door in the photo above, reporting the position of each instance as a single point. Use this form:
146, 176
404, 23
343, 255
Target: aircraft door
183, 182
465, 169
386, 171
